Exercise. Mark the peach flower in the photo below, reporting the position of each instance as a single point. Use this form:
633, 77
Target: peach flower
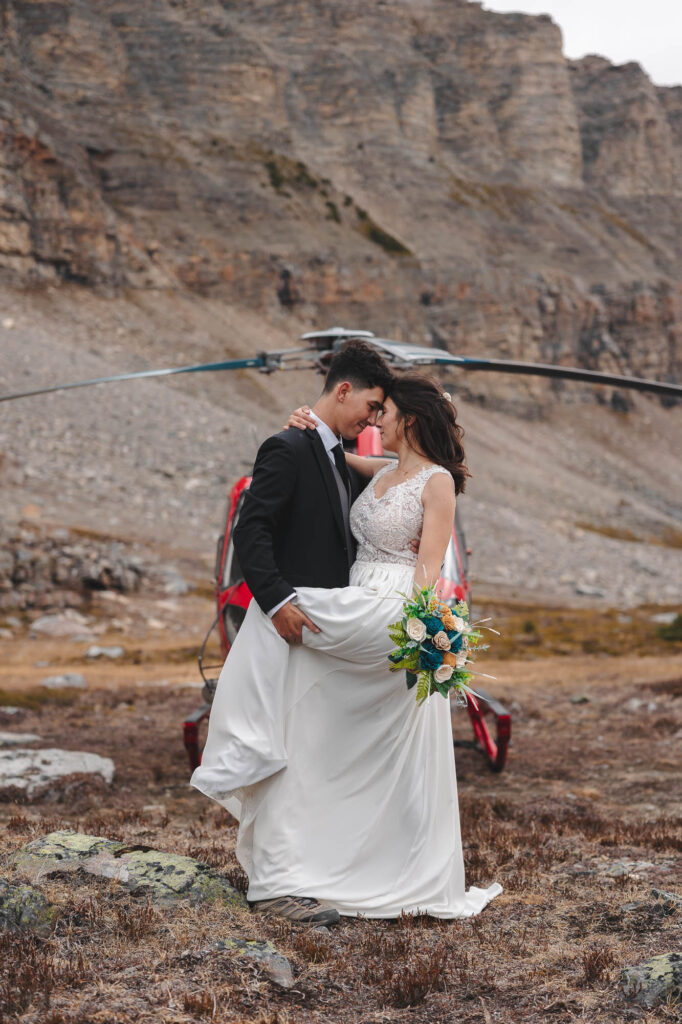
441, 641
448, 619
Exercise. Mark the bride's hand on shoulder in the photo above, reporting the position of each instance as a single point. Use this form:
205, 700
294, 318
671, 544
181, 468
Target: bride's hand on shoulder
301, 418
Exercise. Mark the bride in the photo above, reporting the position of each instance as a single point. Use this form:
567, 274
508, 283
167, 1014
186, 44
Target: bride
344, 788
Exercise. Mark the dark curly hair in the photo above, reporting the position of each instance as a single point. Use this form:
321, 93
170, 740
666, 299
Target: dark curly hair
435, 430
361, 365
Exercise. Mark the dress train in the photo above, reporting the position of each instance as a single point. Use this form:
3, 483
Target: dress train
345, 788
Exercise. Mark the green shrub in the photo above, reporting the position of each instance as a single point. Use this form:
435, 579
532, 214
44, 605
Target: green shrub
333, 211
672, 630
380, 237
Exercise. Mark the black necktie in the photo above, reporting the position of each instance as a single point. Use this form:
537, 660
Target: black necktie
340, 460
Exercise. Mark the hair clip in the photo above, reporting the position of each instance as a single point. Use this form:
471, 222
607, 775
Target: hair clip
446, 395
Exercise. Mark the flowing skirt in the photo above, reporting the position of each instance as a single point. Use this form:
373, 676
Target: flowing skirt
344, 788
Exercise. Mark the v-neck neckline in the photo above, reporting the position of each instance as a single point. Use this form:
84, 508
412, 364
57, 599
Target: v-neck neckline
414, 476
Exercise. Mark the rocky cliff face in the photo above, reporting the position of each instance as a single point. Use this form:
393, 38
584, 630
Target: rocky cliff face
429, 170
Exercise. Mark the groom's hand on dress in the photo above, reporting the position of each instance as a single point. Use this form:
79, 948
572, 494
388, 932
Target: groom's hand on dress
415, 542
289, 622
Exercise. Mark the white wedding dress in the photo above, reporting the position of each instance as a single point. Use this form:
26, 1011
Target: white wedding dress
345, 788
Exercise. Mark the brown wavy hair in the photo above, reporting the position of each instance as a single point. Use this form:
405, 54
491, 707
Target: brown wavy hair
435, 430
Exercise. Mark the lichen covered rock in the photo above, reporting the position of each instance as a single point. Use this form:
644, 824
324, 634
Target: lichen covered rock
23, 908
166, 877
654, 981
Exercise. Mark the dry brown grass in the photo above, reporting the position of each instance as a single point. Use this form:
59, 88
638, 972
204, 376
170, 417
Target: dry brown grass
33, 700
586, 785
531, 631
667, 537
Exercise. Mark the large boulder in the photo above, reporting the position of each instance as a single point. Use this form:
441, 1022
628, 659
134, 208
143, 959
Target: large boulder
49, 774
654, 981
23, 908
166, 877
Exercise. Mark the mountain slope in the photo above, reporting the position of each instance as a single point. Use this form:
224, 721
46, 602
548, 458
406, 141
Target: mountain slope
431, 170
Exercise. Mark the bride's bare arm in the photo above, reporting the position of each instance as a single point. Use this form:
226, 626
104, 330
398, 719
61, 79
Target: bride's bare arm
438, 500
302, 419
364, 466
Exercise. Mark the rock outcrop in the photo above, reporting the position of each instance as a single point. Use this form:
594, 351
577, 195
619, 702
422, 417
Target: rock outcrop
434, 170
51, 570
165, 877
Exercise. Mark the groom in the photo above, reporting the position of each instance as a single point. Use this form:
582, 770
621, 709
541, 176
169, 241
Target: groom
294, 528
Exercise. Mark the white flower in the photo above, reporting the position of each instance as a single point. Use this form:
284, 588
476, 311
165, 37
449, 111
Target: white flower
415, 629
441, 641
443, 673
460, 624
460, 659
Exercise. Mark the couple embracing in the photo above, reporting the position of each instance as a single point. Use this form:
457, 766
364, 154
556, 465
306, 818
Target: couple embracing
344, 787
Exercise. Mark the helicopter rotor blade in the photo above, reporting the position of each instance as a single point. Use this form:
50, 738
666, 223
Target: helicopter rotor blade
403, 355
399, 354
230, 364
562, 372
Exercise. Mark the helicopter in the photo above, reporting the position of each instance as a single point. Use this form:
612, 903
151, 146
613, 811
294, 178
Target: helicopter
232, 595
321, 345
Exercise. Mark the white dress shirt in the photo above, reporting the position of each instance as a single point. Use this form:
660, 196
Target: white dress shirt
330, 441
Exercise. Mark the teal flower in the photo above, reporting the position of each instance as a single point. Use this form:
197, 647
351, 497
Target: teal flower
456, 641
433, 624
430, 659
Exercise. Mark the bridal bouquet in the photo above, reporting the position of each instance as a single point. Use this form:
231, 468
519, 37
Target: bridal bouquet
434, 644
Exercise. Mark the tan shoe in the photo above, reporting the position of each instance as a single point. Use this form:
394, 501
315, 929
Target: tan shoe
298, 909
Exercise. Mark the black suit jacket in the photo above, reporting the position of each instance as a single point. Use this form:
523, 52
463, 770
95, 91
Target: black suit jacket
290, 532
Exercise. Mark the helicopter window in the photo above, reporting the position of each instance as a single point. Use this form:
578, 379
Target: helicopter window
233, 618
235, 573
450, 564
232, 572
219, 549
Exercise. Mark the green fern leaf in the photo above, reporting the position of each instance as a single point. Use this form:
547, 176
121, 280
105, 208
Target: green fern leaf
398, 636
408, 662
423, 687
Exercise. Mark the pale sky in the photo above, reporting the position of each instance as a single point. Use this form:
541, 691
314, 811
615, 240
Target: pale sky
648, 31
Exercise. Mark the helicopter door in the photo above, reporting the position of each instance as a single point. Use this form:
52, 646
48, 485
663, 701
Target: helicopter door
232, 572
234, 593
453, 584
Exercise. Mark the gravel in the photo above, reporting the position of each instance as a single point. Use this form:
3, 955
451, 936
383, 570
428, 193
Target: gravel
154, 460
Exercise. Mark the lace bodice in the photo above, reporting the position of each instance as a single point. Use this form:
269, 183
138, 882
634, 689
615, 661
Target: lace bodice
384, 527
